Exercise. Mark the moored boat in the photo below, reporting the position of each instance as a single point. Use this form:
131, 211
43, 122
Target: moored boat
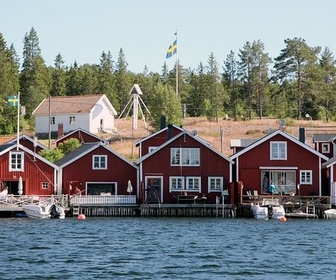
330, 214
44, 211
269, 209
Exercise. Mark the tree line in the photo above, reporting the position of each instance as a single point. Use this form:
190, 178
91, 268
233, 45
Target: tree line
250, 84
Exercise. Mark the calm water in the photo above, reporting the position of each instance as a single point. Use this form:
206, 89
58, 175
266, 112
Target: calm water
167, 248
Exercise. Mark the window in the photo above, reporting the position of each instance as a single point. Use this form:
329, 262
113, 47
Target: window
306, 177
193, 183
72, 120
215, 184
325, 148
176, 183
278, 150
152, 148
99, 162
283, 180
16, 161
190, 156
52, 120
45, 185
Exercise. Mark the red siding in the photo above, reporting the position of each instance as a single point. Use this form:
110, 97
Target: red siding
250, 162
118, 171
35, 173
211, 165
157, 140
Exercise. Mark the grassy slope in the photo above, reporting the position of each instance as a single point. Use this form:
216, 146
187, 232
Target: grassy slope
210, 131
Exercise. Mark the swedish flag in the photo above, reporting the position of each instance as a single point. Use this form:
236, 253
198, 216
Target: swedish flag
172, 49
13, 100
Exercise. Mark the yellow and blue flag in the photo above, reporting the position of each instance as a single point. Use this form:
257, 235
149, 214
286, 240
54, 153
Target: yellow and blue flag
172, 49
13, 100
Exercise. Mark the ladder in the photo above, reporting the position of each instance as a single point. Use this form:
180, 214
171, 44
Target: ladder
75, 210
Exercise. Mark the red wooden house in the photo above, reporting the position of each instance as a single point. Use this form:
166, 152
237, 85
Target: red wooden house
95, 168
325, 144
184, 165
281, 159
38, 174
155, 140
82, 135
31, 143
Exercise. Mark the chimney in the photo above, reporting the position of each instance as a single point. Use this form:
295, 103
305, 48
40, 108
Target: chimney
170, 131
302, 135
162, 122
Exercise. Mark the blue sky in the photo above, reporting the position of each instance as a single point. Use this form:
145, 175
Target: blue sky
81, 29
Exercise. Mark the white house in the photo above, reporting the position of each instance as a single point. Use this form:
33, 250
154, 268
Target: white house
93, 113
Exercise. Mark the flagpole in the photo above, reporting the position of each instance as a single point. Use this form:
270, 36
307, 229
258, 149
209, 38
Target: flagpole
18, 124
176, 65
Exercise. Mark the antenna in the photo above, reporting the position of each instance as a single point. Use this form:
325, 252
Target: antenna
136, 100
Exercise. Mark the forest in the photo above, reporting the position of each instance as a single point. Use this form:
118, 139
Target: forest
299, 83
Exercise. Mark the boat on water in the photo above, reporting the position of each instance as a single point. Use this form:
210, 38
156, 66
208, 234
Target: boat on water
299, 214
269, 209
330, 214
44, 211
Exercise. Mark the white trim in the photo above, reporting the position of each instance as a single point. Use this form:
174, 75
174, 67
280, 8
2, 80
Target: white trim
278, 167
215, 178
99, 162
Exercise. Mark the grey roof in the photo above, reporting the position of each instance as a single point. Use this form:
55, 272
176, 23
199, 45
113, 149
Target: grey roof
241, 142
6, 146
75, 153
323, 137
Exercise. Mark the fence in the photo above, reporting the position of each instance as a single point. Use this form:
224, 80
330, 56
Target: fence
103, 200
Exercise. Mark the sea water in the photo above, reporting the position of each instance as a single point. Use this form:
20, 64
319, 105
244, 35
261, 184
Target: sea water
167, 248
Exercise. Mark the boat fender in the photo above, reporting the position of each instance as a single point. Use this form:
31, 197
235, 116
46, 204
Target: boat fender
81, 217
283, 219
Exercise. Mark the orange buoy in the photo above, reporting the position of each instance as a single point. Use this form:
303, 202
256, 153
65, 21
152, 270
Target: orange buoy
81, 217
283, 219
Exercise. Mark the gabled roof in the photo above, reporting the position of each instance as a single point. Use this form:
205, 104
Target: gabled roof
156, 133
69, 104
80, 130
83, 150
323, 137
184, 132
271, 135
8, 147
13, 140
329, 162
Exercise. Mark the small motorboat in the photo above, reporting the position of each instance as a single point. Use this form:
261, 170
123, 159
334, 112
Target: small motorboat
330, 214
269, 209
44, 211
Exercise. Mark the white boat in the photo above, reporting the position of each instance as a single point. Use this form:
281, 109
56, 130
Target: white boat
269, 209
44, 211
330, 214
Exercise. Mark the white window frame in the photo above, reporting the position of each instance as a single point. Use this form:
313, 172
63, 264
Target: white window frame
195, 183
45, 185
215, 181
173, 182
72, 119
325, 148
99, 157
16, 161
278, 150
185, 156
306, 177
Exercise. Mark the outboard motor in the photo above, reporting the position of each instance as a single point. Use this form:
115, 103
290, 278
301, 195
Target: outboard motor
54, 214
